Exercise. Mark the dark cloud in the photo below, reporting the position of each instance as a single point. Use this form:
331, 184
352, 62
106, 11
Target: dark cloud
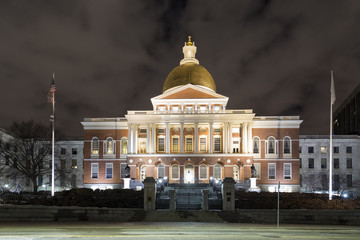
112, 56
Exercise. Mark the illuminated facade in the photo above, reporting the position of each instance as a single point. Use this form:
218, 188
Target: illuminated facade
191, 137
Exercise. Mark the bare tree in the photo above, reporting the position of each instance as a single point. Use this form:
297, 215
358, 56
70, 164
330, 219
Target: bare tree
27, 152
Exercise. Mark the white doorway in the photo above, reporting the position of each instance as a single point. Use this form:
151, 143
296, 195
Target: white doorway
189, 174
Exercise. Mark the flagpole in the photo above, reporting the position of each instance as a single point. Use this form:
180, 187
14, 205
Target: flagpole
332, 100
53, 144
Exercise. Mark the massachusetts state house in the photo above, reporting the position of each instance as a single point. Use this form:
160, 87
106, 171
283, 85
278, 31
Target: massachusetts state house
191, 137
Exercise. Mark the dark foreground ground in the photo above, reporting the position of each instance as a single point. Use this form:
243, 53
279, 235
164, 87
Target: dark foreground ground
173, 231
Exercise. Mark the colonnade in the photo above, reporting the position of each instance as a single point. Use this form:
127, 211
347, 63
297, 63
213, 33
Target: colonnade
245, 129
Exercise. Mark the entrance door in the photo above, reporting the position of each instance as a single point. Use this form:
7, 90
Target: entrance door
189, 174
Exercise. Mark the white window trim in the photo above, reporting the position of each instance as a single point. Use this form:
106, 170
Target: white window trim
192, 143
276, 148
257, 155
217, 136
288, 164
238, 172
272, 164
287, 155
158, 170
121, 146
95, 154
220, 172
112, 170
142, 167
172, 143
206, 145
97, 167
157, 143
139, 145
172, 172
109, 155
258, 170
206, 172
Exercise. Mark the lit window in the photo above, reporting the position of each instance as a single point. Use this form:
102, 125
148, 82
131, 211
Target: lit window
162, 109
142, 172
175, 144
256, 144
73, 163
109, 146
95, 146
161, 171
217, 144
189, 144
175, 109
217, 108
203, 171
109, 170
175, 171
94, 170
124, 146
142, 145
161, 144
287, 145
236, 172
189, 109
203, 143
323, 149
202, 109
272, 170
217, 171
287, 171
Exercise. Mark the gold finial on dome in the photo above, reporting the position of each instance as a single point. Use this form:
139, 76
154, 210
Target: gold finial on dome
189, 43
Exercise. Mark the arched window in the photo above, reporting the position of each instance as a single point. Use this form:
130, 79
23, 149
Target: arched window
95, 146
175, 171
124, 146
287, 145
109, 146
143, 172
203, 171
271, 145
217, 171
161, 171
256, 145
236, 172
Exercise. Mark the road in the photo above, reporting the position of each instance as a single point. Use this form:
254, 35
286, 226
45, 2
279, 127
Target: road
171, 231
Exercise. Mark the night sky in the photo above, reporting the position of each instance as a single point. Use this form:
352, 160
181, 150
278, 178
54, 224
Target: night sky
112, 56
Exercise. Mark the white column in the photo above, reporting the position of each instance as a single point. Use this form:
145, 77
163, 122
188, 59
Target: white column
167, 138
242, 138
246, 137
134, 138
230, 138
181, 138
211, 140
250, 147
153, 135
147, 138
225, 137
196, 138
129, 138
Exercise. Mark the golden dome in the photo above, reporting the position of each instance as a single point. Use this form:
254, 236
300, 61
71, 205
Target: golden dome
186, 73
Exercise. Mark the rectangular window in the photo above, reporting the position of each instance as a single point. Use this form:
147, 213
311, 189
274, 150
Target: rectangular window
349, 180
336, 184
310, 149
175, 144
74, 163
202, 109
175, 172
300, 160
217, 108
189, 144
175, 109
217, 130
123, 172
324, 181
162, 108
189, 109
161, 130
336, 163
142, 130
349, 163
311, 163
287, 171
202, 144
217, 144
336, 149
348, 149
63, 151
323, 163
74, 151
109, 170
203, 172
258, 170
272, 170
94, 170
323, 149
161, 144
62, 164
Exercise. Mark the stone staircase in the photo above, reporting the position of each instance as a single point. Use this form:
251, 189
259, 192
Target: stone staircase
182, 216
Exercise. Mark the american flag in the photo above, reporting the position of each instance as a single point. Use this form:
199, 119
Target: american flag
51, 95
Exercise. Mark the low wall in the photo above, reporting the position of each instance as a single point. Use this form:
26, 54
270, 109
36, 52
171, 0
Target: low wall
17, 213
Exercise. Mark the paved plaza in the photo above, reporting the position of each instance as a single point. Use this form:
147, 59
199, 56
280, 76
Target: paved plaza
171, 231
